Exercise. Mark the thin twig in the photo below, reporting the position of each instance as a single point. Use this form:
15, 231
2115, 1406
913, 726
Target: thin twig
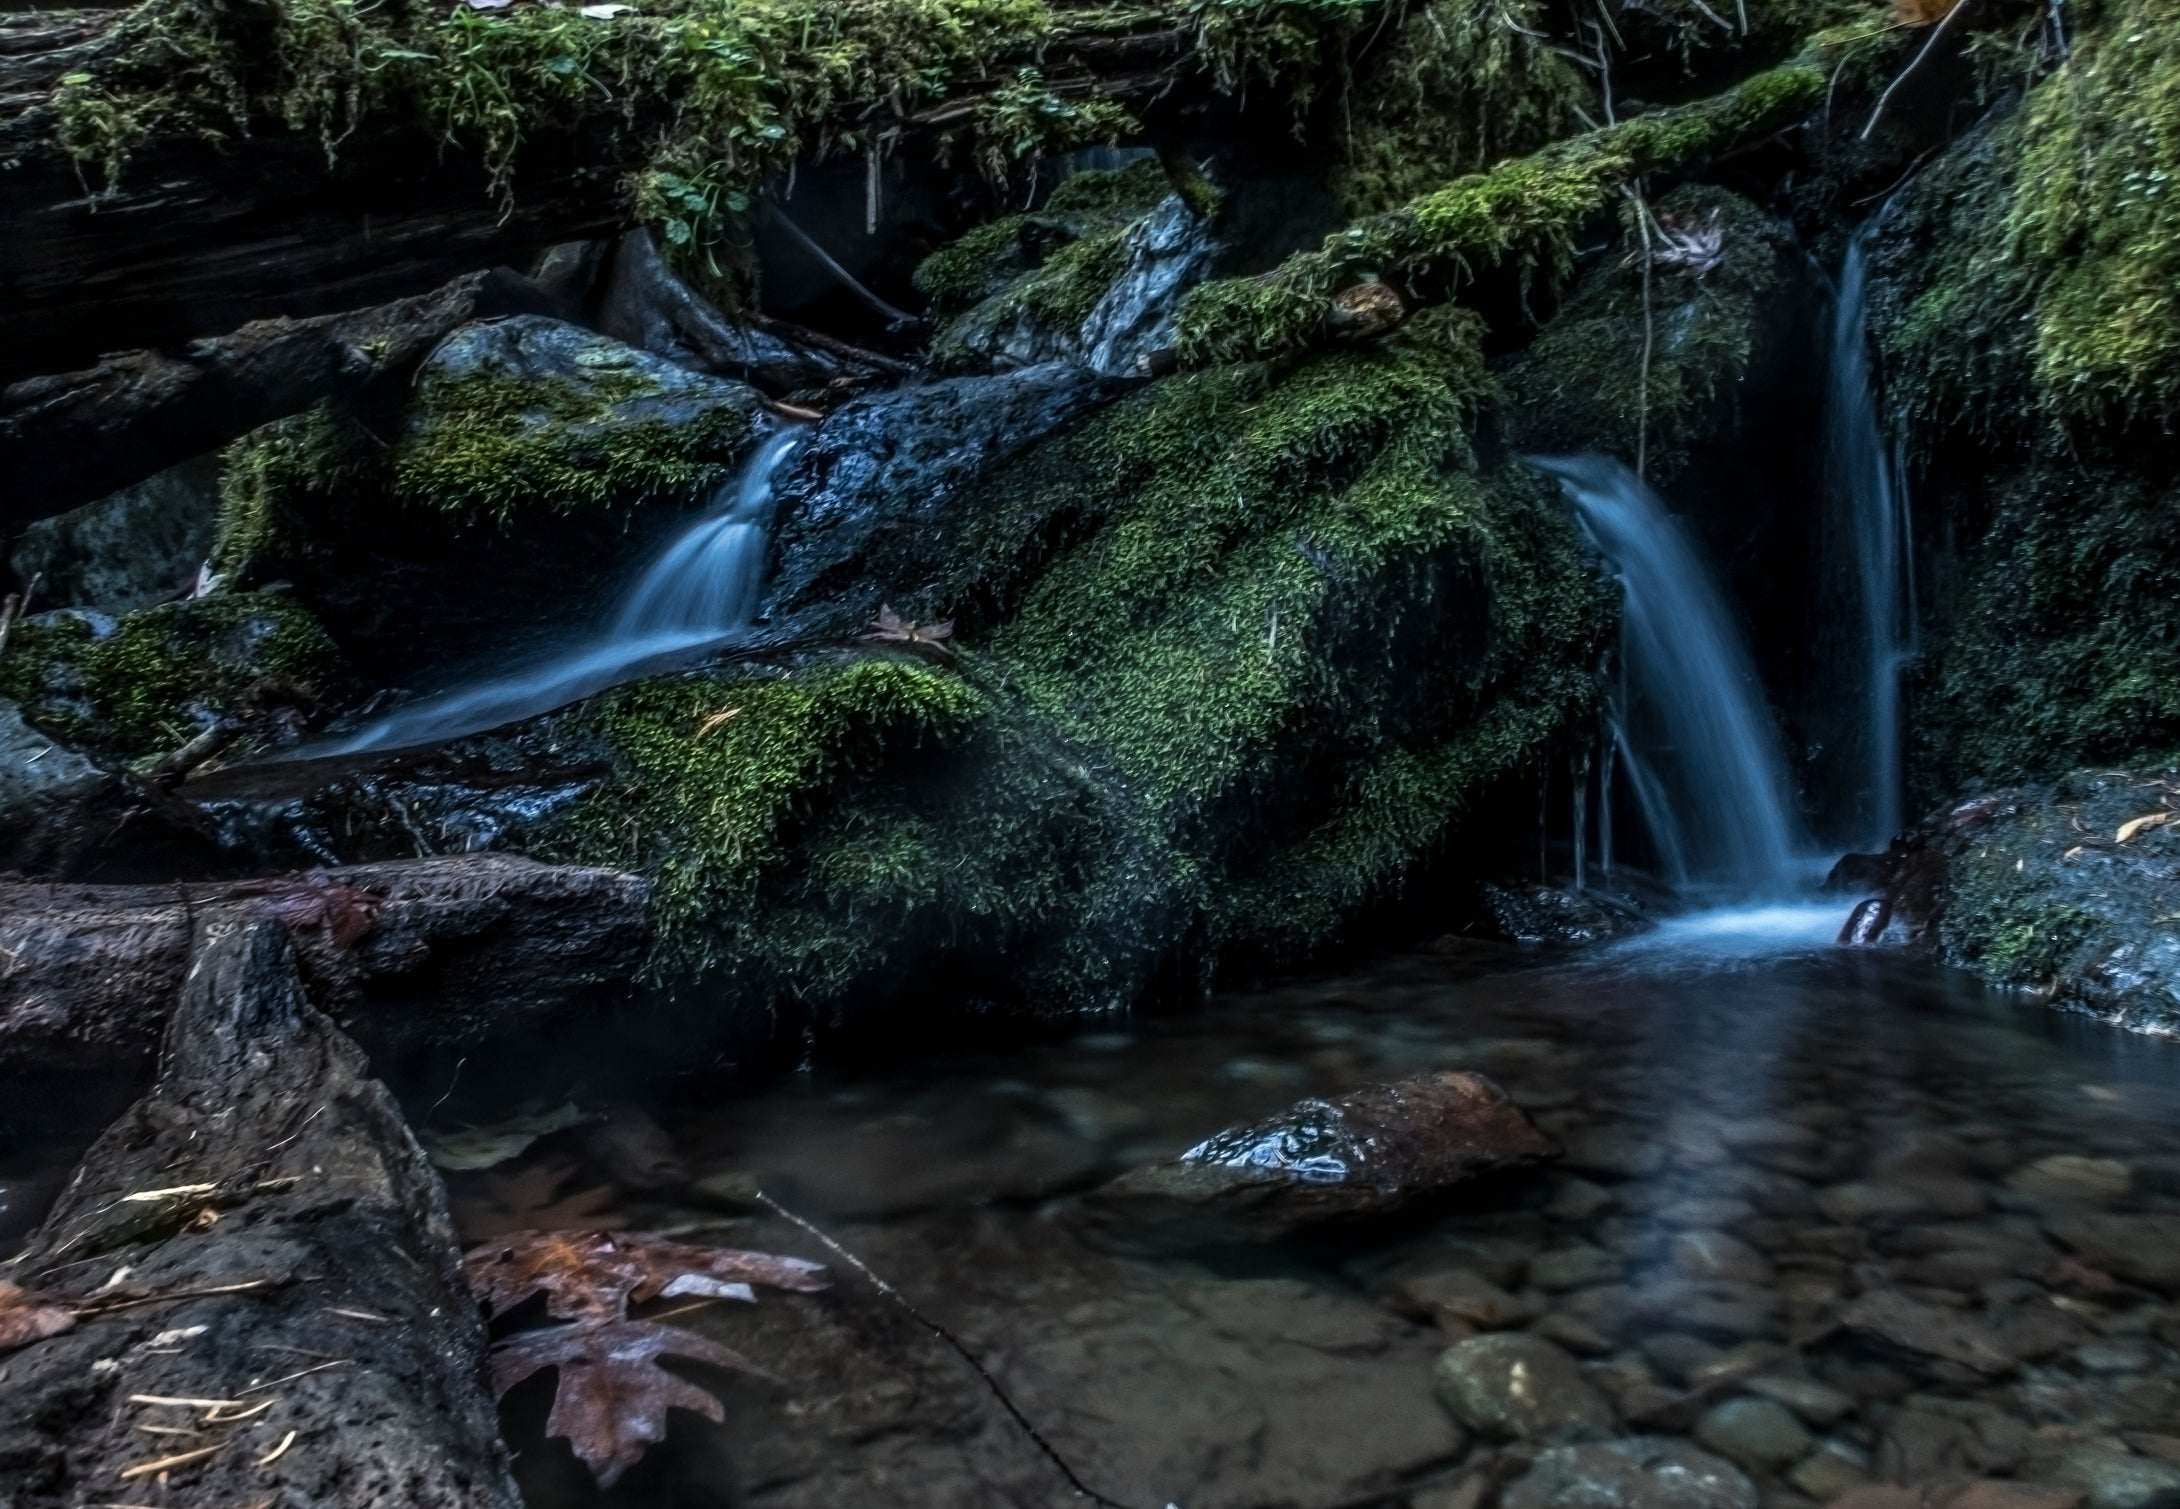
1642, 382
802, 238
1913, 64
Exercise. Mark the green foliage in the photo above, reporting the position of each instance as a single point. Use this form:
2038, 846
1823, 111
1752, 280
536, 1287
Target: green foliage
1462, 83
275, 481
1525, 210
159, 675
2053, 244
1239, 650
1580, 386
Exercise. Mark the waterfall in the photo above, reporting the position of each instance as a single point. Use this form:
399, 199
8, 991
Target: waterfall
697, 592
1866, 485
1694, 741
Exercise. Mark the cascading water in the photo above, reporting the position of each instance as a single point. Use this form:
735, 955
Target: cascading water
1695, 741
697, 592
1865, 482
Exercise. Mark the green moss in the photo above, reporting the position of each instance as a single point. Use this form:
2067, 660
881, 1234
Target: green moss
1581, 386
2051, 244
1524, 211
1236, 652
484, 446
160, 675
277, 481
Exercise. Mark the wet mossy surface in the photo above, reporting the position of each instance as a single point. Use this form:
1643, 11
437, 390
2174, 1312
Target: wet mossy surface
1234, 654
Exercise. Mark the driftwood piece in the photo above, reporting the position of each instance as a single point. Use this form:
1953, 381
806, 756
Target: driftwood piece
403, 951
67, 439
346, 1348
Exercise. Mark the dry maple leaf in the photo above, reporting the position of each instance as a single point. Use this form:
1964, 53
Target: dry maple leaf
611, 1398
588, 1275
890, 625
26, 1317
315, 899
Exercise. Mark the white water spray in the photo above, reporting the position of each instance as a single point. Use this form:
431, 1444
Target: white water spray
699, 591
1696, 743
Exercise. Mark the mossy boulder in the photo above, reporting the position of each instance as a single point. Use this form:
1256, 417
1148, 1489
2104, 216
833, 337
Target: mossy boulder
1719, 297
1232, 653
2068, 890
143, 684
134, 547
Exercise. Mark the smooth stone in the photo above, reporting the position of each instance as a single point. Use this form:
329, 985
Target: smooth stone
1576, 1267
1707, 1211
2115, 1478
1466, 1494
1818, 1403
1566, 1331
1715, 1255
2068, 1179
1832, 1469
1758, 1434
2142, 1249
1507, 1384
1642, 1472
1927, 1331
1460, 1294
1860, 1204
1619, 1152
1578, 1200
1992, 1493
1679, 1356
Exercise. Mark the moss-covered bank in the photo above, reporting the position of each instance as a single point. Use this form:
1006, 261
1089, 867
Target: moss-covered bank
1235, 653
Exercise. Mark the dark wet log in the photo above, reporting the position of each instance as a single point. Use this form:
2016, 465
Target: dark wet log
403, 951
346, 1348
65, 440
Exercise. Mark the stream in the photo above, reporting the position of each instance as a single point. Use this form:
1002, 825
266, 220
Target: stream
1829, 1215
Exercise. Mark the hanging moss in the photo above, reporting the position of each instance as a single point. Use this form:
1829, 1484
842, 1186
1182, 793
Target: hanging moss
2049, 246
1236, 652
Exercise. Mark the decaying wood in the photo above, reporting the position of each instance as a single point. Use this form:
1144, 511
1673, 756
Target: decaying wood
65, 440
284, 1321
454, 948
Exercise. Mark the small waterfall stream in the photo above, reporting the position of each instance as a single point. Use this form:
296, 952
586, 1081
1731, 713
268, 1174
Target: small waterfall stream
1865, 482
1694, 738
698, 591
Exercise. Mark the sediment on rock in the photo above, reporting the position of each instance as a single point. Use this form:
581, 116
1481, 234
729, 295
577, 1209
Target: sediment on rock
407, 951
285, 1319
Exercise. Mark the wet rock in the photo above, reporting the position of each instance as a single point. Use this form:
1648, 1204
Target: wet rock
1369, 1151
1817, 1403
1459, 1293
1758, 1434
1541, 915
1575, 1267
2115, 1478
1162, 256
1715, 1255
1578, 1200
1865, 925
1520, 1386
1934, 1439
141, 545
1833, 1469
2142, 1249
1927, 1332
2067, 1179
1643, 1472
865, 506
1618, 1152
1991, 1493
1573, 1335
47, 793
1861, 1204
1678, 1355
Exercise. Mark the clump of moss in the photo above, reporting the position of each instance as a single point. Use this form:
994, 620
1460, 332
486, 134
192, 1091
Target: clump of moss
1462, 83
1235, 653
1525, 210
1581, 385
277, 482
149, 681
2050, 245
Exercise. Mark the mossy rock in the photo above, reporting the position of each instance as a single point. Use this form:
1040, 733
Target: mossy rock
531, 412
145, 683
1719, 273
1235, 652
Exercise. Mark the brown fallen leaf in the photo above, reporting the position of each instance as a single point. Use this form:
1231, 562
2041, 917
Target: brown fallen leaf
2135, 825
611, 1397
314, 899
889, 625
588, 1275
26, 1316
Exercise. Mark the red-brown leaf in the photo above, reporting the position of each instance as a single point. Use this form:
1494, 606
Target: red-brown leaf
315, 899
611, 1397
597, 1274
26, 1317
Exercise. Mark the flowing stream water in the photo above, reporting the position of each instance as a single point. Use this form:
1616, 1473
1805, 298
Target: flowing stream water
696, 593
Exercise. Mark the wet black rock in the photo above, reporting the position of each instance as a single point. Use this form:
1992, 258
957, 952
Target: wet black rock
2141, 1249
1523, 1386
1542, 915
1365, 1153
46, 794
141, 545
1643, 1472
1928, 1333
865, 506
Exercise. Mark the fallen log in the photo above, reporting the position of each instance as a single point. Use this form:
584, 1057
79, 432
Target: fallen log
404, 951
67, 439
287, 1323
